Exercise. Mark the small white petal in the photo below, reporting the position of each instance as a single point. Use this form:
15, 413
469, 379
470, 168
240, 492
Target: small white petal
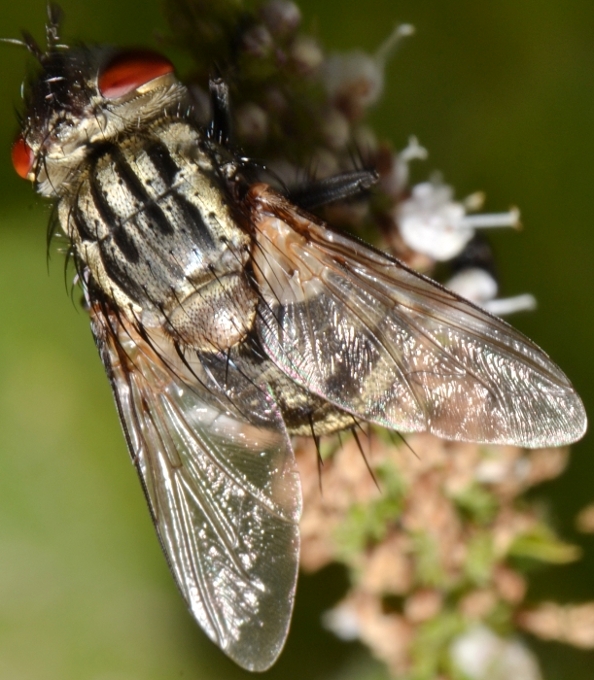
482, 655
343, 621
474, 284
491, 220
511, 305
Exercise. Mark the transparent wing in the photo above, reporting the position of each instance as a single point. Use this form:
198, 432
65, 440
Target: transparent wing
221, 484
361, 330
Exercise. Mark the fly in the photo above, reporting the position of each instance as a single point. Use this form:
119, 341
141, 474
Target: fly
229, 319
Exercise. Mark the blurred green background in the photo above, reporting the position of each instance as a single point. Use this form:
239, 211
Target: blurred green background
501, 93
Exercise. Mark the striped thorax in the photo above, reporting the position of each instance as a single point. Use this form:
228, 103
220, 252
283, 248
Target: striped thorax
150, 220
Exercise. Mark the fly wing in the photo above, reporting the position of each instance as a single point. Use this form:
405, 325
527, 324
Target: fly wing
221, 484
391, 346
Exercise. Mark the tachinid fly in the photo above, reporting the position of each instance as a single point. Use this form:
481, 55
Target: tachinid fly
228, 319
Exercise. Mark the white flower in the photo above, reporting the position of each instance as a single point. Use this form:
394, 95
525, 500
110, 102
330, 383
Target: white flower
356, 78
480, 654
432, 223
395, 182
343, 621
478, 286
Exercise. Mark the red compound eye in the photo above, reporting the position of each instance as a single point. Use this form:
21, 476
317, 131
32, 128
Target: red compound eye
128, 71
22, 157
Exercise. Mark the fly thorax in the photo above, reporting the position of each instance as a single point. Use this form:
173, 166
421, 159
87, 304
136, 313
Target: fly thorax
151, 220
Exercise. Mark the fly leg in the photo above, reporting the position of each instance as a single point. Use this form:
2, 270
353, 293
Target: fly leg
337, 188
219, 129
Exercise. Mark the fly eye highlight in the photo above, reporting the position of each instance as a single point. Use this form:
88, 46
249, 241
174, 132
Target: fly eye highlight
23, 157
130, 70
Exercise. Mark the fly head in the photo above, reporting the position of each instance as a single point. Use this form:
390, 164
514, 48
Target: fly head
81, 98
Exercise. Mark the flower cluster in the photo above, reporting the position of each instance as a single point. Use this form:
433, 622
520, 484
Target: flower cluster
435, 538
431, 542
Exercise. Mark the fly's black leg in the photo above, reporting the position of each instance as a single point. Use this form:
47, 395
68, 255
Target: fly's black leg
219, 129
346, 185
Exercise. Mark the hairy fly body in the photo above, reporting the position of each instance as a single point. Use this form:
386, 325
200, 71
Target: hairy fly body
229, 319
